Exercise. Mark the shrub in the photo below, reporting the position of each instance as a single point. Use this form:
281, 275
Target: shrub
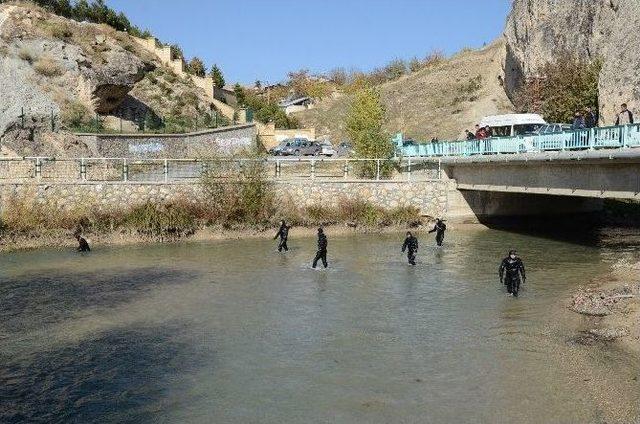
165, 221
564, 87
196, 67
75, 115
241, 197
26, 55
48, 67
61, 31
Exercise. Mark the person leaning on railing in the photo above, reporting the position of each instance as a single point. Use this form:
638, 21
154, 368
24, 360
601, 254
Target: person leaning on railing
625, 117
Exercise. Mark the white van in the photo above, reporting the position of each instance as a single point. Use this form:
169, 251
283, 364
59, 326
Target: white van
513, 124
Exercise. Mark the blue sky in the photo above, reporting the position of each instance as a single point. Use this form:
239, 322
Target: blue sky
264, 39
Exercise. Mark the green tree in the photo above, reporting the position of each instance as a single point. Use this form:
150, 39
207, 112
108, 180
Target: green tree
218, 77
241, 96
564, 87
364, 126
196, 67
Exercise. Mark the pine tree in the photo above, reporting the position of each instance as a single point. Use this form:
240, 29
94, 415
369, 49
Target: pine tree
218, 78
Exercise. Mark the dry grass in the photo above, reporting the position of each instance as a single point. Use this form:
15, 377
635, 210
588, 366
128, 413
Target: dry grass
26, 55
48, 67
422, 104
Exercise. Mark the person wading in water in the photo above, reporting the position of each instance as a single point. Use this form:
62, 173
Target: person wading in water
83, 246
512, 273
322, 249
283, 233
411, 246
439, 229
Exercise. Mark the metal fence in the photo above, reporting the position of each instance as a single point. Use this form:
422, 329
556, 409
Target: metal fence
104, 170
595, 138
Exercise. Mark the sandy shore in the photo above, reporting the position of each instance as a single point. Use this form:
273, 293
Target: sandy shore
63, 239
610, 308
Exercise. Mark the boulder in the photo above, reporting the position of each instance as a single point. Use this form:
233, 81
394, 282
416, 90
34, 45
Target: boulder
112, 81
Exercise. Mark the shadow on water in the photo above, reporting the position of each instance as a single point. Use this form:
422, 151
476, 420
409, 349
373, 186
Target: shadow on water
580, 229
120, 376
30, 302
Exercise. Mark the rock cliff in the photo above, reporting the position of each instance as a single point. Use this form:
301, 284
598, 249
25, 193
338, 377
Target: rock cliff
57, 69
539, 31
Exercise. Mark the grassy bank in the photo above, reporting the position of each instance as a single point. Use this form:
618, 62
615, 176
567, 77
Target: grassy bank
249, 206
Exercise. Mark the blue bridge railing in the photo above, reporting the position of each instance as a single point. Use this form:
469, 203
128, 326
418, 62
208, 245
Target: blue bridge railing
594, 138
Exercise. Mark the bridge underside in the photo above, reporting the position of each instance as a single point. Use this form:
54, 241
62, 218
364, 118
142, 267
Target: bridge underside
604, 178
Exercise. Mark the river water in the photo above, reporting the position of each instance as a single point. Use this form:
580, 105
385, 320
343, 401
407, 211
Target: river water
233, 332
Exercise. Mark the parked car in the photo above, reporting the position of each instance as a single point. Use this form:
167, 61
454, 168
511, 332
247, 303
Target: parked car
277, 151
553, 129
302, 147
327, 149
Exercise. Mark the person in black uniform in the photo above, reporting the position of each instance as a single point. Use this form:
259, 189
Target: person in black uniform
83, 246
512, 273
439, 229
322, 249
411, 246
283, 233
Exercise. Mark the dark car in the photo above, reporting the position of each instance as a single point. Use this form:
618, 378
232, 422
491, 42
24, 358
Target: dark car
302, 147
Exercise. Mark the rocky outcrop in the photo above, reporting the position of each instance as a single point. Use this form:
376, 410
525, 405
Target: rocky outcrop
111, 81
539, 31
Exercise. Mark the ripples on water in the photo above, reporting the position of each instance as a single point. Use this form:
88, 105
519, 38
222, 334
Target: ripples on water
234, 332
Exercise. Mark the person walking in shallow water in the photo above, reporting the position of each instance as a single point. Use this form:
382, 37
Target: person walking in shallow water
411, 246
283, 233
439, 229
83, 246
512, 273
322, 249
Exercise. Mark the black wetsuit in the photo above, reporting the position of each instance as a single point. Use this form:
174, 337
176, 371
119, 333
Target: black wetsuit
512, 274
411, 246
322, 251
283, 233
439, 229
83, 246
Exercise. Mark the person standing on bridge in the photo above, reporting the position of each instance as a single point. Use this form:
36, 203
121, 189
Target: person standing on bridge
322, 249
578, 122
283, 233
625, 117
411, 246
511, 273
439, 229
590, 118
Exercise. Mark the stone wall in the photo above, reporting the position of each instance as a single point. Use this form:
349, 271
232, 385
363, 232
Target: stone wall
226, 140
430, 197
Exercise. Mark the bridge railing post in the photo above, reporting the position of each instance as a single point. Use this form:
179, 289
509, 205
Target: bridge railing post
592, 138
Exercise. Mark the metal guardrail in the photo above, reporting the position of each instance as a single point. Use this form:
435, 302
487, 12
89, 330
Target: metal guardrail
619, 137
123, 170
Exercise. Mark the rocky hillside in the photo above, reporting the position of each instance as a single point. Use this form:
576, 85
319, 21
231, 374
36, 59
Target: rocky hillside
539, 31
52, 66
439, 101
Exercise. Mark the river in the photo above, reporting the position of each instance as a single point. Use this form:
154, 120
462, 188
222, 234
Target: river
233, 332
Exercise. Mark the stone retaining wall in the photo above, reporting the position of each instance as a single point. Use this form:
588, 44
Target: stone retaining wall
226, 140
430, 197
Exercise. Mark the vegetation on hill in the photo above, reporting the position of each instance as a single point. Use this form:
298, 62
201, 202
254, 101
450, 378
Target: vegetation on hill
95, 11
440, 98
564, 87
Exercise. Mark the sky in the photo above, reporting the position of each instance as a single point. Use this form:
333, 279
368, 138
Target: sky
265, 39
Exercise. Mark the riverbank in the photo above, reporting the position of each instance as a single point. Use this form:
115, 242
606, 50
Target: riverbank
610, 308
64, 240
